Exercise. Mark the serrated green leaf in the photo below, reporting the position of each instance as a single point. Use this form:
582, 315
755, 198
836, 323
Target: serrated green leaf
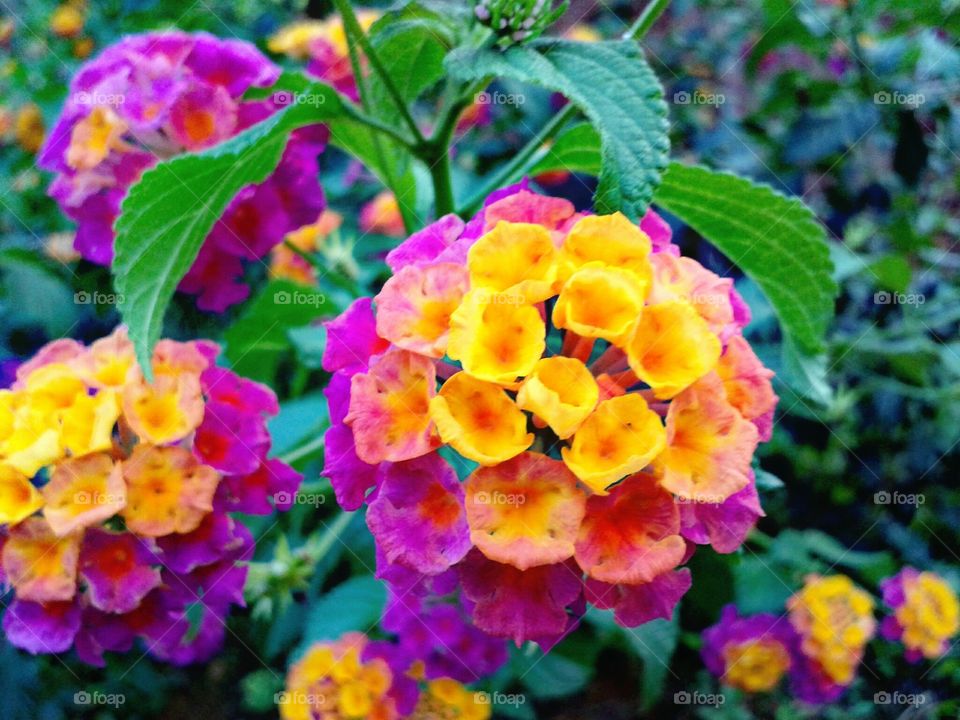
257, 341
774, 239
614, 87
167, 214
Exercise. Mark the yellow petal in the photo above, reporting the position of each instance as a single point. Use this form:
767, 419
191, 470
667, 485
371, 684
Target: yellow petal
598, 301
495, 340
672, 347
516, 258
560, 391
479, 420
620, 438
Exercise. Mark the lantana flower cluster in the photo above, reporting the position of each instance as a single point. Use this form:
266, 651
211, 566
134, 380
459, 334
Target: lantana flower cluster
556, 404
820, 642
151, 97
116, 494
352, 679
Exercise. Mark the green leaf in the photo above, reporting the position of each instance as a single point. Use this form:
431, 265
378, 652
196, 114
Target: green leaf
774, 239
552, 676
654, 642
259, 338
576, 149
353, 606
614, 86
167, 215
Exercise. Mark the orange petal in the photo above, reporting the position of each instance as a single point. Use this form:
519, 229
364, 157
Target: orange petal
524, 512
168, 490
41, 566
83, 492
672, 347
479, 420
515, 258
496, 337
390, 408
620, 438
414, 307
166, 411
18, 496
560, 391
709, 445
600, 302
631, 535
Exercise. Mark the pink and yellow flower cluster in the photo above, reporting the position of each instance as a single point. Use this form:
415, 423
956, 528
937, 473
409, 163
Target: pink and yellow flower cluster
590, 385
115, 496
350, 679
150, 97
821, 640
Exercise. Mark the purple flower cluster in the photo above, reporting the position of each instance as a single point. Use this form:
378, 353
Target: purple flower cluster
151, 97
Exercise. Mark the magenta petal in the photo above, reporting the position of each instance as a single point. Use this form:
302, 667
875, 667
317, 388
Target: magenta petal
226, 387
418, 516
425, 246
230, 441
218, 536
521, 605
634, 605
42, 627
352, 338
724, 525
118, 569
350, 476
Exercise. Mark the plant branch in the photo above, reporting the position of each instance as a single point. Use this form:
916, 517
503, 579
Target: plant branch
373, 123
645, 21
356, 31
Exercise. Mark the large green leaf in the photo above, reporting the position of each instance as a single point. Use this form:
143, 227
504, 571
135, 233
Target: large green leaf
259, 338
167, 215
614, 87
774, 239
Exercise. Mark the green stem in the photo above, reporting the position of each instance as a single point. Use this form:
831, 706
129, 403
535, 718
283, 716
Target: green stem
374, 124
314, 262
331, 535
356, 31
646, 19
303, 451
442, 182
